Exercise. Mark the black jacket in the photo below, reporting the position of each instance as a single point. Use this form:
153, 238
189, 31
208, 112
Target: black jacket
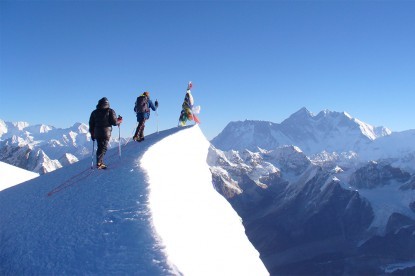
101, 120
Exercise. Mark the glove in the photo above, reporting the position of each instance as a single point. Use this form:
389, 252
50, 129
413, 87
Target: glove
92, 135
156, 103
119, 120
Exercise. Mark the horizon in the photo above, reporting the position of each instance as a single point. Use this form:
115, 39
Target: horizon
114, 131
256, 60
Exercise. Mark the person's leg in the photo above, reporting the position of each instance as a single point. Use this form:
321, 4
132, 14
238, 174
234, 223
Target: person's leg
140, 120
142, 125
136, 131
139, 132
102, 149
135, 137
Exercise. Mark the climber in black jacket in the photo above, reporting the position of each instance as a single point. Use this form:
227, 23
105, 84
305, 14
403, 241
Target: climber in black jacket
100, 126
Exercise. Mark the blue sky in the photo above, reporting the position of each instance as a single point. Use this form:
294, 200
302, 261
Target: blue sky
259, 60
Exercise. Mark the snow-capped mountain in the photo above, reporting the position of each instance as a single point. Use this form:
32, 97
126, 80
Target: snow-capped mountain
42, 148
328, 130
309, 219
142, 216
322, 194
344, 205
327, 138
397, 148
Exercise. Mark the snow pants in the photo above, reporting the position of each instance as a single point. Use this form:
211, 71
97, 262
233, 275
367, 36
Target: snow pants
102, 144
139, 132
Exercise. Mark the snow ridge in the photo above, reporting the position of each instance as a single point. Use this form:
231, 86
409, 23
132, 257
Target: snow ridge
113, 222
185, 204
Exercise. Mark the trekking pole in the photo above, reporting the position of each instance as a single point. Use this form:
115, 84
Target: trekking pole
157, 120
119, 141
132, 133
92, 154
119, 119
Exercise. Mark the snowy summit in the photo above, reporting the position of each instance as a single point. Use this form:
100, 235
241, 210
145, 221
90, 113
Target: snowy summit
153, 212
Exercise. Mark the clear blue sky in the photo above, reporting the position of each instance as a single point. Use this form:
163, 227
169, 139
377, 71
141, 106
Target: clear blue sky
260, 60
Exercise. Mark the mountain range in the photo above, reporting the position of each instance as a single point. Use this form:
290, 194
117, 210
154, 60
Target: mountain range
42, 148
326, 131
321, 194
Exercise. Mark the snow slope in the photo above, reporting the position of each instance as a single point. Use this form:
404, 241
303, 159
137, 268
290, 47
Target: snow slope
185, 206
11, 175
81, 221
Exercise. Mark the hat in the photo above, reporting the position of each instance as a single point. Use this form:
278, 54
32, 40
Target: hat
103, 100
103, 103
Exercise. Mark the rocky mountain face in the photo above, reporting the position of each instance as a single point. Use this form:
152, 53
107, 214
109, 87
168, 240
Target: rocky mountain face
42, 148
329, 212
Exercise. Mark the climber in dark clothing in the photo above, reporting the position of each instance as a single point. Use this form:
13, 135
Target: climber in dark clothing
100, 126
142, 107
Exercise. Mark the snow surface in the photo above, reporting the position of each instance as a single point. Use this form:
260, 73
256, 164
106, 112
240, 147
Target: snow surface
387, 200
190, 215
396, 267
168, 220
11, 175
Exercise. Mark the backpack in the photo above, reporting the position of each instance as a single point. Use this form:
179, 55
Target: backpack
141, 104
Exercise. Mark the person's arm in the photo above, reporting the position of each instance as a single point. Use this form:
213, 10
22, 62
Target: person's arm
92, 125
113, 118
152, 106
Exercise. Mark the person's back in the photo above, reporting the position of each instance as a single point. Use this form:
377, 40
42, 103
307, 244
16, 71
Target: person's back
100, 126
142, 107
142, 104
101, 118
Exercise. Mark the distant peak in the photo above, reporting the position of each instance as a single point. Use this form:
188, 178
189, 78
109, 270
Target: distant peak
20, 125
303, 113
304, 110
80, 127
347, 115
326, 113
77, 124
